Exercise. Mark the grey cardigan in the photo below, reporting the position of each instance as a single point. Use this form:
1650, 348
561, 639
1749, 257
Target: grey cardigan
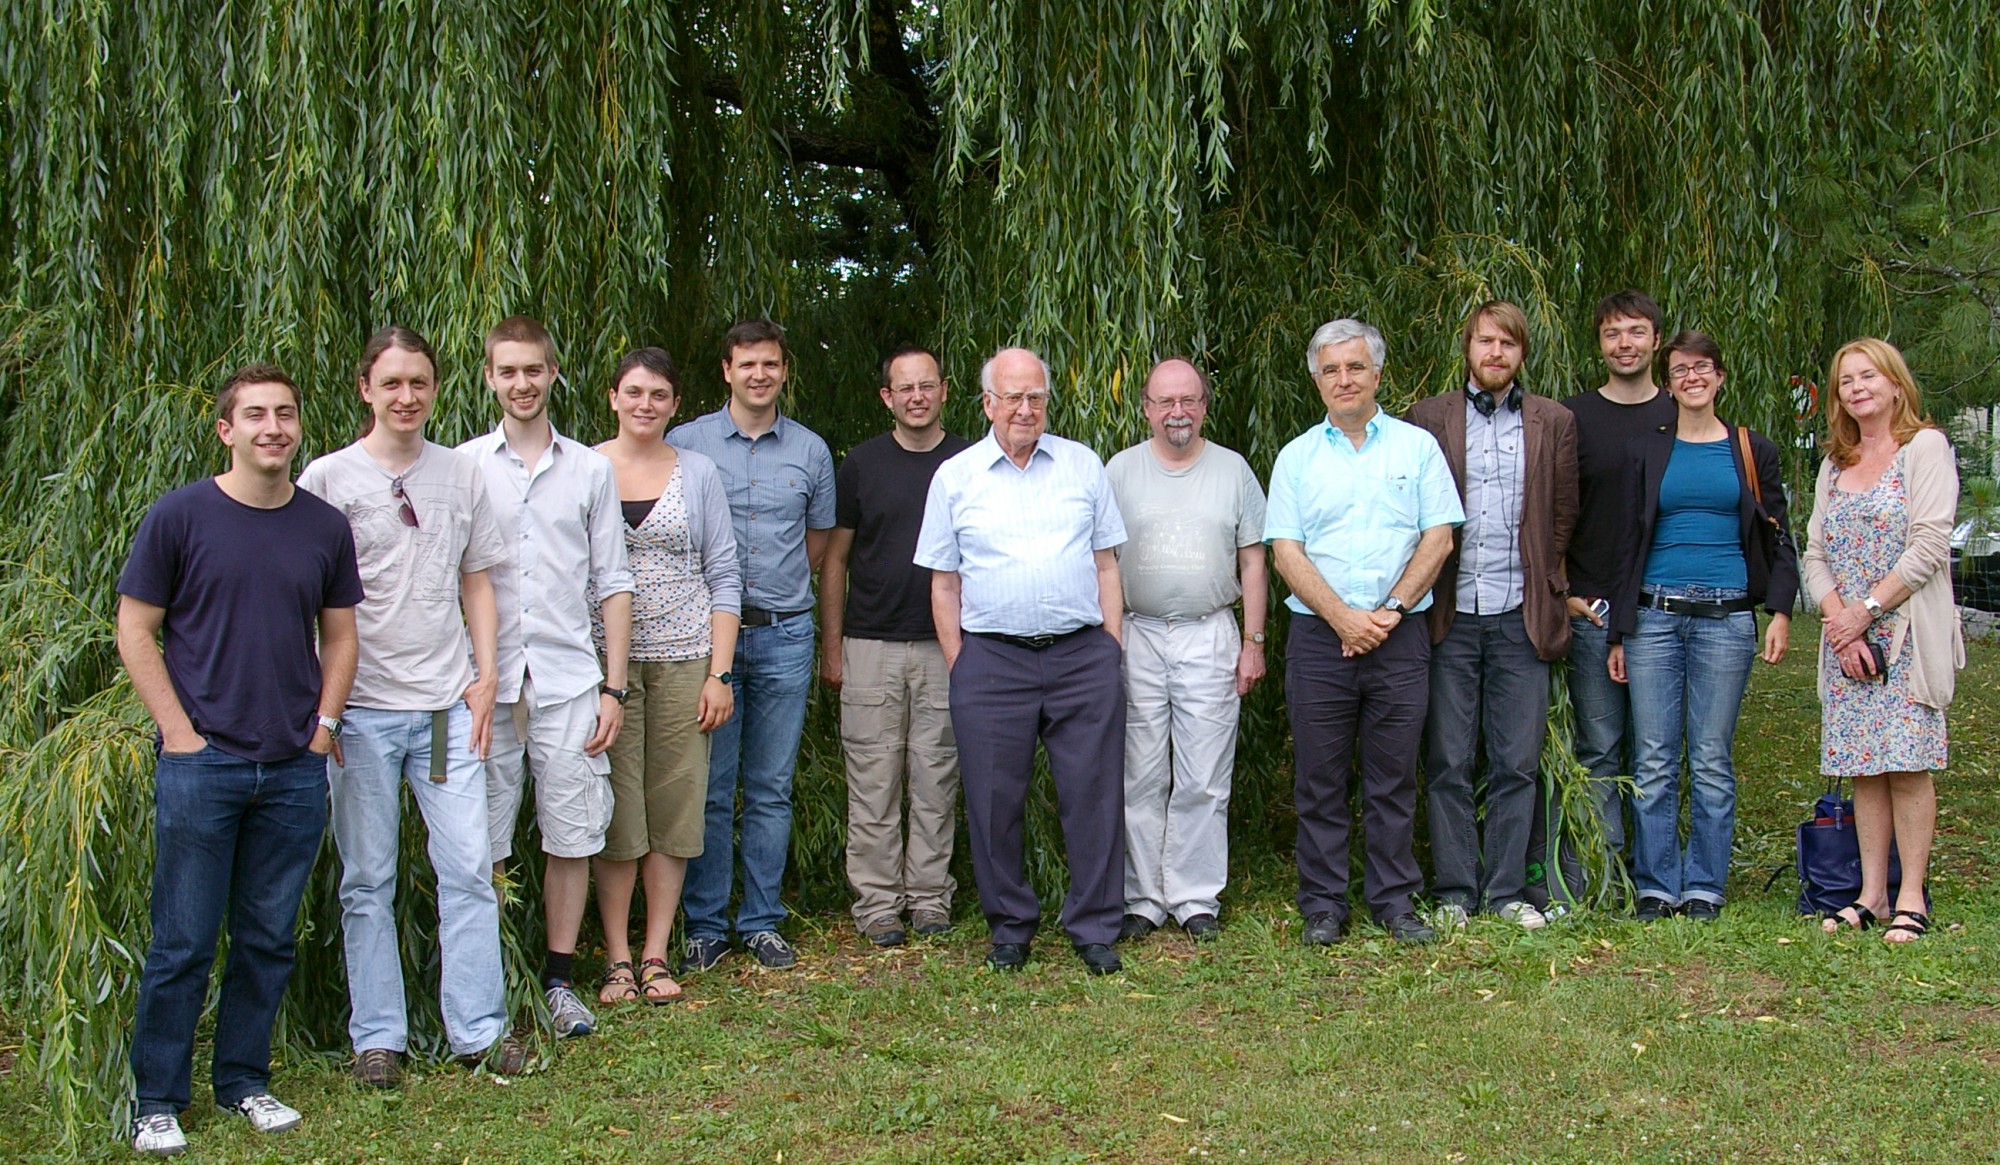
1927, 617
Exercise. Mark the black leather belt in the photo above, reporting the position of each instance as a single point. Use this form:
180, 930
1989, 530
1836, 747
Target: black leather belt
759, 617
1033, 642
1699, 608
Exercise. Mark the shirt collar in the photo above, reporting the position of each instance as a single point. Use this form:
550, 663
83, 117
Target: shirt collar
995, 453
1373, 429
777, 428
496, 441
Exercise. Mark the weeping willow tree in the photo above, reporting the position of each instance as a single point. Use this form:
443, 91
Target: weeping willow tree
1108, 182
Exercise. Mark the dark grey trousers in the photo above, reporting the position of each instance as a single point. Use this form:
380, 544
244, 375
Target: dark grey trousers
1370, 710
1071, 697
1485, 681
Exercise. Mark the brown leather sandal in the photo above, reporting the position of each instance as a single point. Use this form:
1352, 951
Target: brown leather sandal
652, 973
619, 986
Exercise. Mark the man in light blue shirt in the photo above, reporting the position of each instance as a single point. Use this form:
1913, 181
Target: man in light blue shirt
1501, 616
1360, 518
779, 478
1019, 532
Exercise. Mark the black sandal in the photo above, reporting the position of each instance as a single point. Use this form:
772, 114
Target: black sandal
1918, 926
1864, 917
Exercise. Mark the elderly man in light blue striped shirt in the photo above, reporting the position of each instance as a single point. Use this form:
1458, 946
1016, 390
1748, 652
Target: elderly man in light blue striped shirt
1360, 518
1018, 534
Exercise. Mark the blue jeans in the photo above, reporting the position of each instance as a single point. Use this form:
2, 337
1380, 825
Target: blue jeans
1603, 727
1687, 678
235, 833
759, 745
383, 751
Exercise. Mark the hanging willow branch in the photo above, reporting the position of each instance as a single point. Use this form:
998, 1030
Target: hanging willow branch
183, 190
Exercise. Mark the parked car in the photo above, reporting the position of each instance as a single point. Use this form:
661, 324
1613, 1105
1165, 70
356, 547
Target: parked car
1975, 565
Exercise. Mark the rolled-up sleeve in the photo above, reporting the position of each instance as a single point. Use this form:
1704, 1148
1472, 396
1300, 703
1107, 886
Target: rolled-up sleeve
715, 535
1281, 511
609, 566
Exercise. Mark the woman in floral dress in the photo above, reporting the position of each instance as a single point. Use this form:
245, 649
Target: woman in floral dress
1878, 555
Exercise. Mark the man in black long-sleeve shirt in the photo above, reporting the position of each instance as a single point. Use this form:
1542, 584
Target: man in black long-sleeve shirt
1607, 419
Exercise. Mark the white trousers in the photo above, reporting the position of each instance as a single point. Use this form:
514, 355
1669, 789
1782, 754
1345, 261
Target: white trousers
1180, 755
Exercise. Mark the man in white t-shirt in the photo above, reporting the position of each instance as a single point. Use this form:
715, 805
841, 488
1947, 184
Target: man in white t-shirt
1194, 516
420, 713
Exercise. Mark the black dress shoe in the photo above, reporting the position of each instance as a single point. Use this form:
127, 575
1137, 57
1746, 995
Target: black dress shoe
1322, 930
1134, 928
1007, 956
1408, 928
1202, 928
1099, 958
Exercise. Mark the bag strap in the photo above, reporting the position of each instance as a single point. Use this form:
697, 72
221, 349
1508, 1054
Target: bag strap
1749, 464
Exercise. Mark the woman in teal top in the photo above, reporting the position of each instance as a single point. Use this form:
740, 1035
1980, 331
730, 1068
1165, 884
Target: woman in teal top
1684, 627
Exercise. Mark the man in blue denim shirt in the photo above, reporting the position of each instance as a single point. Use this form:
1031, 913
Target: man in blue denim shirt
779, 477
227, 582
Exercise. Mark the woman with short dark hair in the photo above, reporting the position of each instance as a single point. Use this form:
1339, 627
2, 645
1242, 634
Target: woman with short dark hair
1684, 625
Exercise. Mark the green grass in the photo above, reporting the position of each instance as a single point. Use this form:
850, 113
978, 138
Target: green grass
1755, 1039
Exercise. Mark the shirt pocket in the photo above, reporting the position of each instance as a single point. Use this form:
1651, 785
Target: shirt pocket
1398, 500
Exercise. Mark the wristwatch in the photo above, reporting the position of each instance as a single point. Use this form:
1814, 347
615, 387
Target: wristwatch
332, 726
1874, 607
617, 694
724, 676
1392, 603
1254, 637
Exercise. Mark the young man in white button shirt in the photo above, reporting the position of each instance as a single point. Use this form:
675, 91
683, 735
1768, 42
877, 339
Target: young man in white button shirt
556, 502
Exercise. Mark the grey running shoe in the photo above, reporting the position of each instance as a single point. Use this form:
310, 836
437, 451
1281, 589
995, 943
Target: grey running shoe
266, 1113
159, 1134
567, 1014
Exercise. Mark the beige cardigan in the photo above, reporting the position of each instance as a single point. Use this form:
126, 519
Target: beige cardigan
1930, 485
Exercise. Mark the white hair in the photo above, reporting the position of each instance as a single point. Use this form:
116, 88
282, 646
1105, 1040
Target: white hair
986, 370
1340, 332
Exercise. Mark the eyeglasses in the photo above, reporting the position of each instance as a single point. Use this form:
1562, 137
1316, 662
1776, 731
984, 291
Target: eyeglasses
407, 511
1013, 400
1698, 368
1186, 404
927, 387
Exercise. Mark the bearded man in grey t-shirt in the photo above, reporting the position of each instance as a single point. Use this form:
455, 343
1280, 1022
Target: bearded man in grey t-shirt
1195, 516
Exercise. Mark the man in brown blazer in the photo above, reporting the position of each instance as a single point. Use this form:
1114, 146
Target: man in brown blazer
1498, 617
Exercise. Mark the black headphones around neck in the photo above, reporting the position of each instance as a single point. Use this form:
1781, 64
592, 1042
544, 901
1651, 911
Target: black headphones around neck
1487, 406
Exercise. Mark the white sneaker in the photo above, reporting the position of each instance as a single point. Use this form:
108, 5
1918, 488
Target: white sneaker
567, 1014
1447, 916
1523, 914
159, 1134
266, 1113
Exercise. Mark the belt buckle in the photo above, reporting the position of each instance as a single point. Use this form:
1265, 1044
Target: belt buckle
1039, 642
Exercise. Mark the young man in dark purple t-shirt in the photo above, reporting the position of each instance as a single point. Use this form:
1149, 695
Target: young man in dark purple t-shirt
229, 583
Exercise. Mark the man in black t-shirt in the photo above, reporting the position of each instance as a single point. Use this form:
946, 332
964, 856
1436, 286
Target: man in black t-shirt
1607, 419
228, 581
880, 649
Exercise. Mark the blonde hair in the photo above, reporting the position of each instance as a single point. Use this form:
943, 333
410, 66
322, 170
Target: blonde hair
1843, 432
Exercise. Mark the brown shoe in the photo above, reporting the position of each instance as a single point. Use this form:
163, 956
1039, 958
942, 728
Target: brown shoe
930, 923
506, 1056
378, 1067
